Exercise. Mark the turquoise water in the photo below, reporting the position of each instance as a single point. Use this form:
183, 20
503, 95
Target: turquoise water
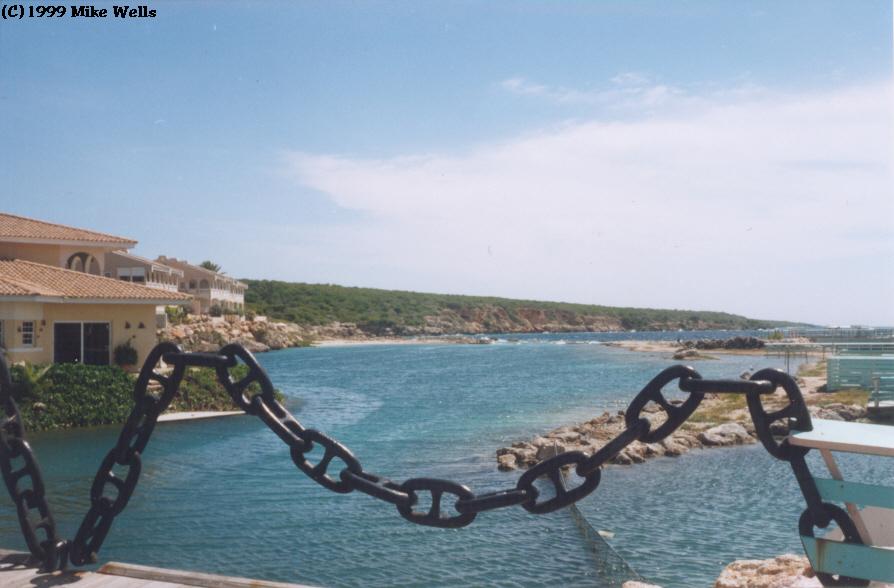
223, 495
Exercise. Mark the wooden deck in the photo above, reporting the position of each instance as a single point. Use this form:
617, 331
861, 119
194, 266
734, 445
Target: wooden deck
17, 570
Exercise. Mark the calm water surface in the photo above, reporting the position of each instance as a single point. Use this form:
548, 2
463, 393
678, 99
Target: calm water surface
223, 495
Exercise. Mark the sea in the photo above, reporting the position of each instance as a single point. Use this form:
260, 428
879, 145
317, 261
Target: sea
223, 496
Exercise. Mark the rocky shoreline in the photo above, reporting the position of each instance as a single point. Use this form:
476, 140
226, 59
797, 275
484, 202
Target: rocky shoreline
258, 334
592, 435
782, 571
719, 421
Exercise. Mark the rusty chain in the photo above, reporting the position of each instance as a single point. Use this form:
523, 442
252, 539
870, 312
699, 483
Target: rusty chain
54, 553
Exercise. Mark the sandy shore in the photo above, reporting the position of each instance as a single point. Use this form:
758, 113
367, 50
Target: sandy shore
446, 340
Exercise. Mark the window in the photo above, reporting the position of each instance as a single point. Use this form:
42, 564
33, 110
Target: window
2, 344
87, 343
28, 334
132, 274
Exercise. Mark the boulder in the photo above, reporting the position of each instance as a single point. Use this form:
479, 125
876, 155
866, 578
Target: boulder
549, 450
506, 462
673, 448
725, 434
784, 571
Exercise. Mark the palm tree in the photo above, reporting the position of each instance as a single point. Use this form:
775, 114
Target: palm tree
210, 265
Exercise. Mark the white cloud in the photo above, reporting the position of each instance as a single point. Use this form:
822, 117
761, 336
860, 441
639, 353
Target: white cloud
631, 91
770, 205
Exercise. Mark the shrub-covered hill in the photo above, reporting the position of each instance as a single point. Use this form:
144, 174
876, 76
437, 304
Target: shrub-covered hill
381, 312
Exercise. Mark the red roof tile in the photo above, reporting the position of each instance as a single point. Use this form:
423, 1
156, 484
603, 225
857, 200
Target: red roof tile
13, 228
29, 279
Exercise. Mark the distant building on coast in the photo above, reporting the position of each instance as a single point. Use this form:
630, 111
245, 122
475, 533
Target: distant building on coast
208, 288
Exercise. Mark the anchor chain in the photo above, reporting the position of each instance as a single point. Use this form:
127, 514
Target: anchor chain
137, 430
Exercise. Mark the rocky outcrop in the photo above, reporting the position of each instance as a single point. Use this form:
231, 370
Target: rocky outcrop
784, 571
205, 333
592, 435
731, 343
725, 434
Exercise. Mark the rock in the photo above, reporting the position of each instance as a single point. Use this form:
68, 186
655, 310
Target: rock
39, 407
653, 450
550, 450
784, 571
253, 345
506, 462
686, 353
725, 434
839, 412
673, 448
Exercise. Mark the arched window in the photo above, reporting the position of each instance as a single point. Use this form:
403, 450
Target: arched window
203, 284
91, 266
192, 284
76, 262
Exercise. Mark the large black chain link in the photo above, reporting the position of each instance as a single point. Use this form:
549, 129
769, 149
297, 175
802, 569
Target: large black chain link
30, 499
351, 476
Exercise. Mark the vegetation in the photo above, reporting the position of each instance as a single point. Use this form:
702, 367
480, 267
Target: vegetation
176, 314
379, 311
200, 390
125, 354
66, 395
210, 265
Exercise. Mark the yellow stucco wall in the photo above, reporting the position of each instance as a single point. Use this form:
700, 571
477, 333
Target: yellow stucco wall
50, 254
125, 322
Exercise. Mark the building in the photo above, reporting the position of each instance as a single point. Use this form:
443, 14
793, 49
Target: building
62, 298
209, 288
57, 245
50, 314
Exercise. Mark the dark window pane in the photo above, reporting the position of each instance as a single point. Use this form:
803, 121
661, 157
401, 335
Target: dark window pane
67, 342
96, 343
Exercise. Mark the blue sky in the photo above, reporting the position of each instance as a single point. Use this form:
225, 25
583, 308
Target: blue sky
701, 155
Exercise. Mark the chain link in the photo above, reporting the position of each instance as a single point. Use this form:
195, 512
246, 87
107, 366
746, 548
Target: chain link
110, 492
32, 509
127, 453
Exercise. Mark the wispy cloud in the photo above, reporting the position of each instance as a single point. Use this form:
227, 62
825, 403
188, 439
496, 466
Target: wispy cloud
745, 204
626, 90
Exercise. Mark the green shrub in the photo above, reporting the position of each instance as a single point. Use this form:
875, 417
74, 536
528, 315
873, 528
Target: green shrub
75, 395
125, 354
66, 395
200, 390
176, 314
215, 310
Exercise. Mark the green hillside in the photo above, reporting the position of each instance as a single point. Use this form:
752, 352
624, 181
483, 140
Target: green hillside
399, 312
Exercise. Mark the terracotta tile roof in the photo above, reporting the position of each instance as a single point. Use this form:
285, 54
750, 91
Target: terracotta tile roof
29, 279
14, 228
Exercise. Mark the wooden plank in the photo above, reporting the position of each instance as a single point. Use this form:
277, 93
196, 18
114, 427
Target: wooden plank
857, 561
849, 437
855, 493
851, 507
188, 578
18, 570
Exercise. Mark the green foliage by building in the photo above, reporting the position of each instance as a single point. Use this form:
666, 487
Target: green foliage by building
67, 395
